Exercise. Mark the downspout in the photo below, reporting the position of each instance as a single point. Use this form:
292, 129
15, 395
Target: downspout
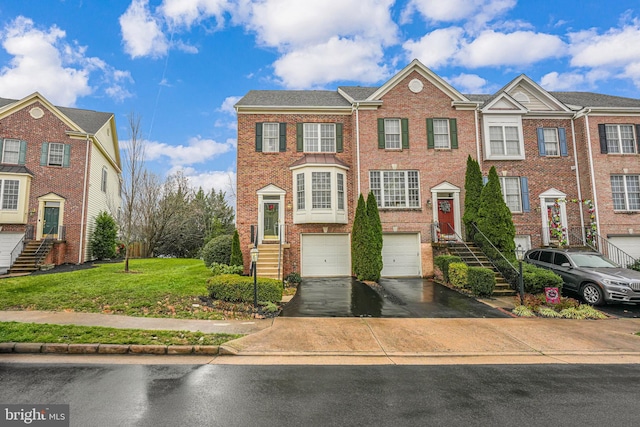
575, 159
592, 170
477, 139
358, 146
84, 197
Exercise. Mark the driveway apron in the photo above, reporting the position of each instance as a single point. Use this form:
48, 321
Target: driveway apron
400, 298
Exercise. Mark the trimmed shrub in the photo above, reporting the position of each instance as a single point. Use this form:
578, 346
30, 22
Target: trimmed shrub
236, 252
494, 216
103, 238
235, 288
482, 281
293, 278
472, 190
458, 274
536, 279
375, 245
360, 238
217, 250
218, 269
443, 261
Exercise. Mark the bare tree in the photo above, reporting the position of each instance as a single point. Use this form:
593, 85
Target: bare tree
133, 172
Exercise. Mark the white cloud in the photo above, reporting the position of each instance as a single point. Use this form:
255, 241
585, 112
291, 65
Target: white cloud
436, 48
142, 33
224, 181
491, 48
228, 103
573, 80
282, 23
468, 83
480, 11
337, 59
187, 12
632, 71
43, 62
197, 150
617, 47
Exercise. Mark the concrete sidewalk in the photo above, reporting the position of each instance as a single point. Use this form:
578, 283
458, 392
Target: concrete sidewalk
391, 341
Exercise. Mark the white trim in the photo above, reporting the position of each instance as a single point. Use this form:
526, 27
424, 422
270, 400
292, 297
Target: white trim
270, 190
447, 187
502, 121
592, 171
552, 194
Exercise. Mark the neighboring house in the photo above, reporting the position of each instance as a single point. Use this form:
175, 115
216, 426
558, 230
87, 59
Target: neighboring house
304, 157
59, 167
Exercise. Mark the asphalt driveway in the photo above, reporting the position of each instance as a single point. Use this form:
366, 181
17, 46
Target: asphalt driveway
402, 298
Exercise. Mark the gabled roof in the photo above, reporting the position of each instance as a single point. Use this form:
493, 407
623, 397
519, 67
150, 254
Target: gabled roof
292, 98
420, 68
357, 93
87, 121
590, 99
541, 95
504, 103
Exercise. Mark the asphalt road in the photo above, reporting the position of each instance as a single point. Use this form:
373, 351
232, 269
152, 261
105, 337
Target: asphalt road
218, 395
627, 310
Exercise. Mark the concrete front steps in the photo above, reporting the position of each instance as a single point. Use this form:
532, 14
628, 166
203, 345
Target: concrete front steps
474, 257
268, 265
28, 259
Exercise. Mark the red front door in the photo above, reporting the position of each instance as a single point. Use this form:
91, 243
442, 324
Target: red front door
445, 216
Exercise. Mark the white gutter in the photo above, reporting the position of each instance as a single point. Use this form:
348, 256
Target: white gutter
592, 170
84, 197
358, 146
575, 159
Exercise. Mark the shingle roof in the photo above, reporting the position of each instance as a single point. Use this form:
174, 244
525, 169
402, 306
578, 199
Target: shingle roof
590, 99
90, 121
359, 93
15, 169
293, 98
318, 159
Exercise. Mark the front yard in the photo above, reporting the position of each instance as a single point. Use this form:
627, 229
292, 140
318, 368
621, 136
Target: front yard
153, 287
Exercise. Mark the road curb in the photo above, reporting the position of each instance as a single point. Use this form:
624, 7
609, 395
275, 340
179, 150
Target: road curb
106, 349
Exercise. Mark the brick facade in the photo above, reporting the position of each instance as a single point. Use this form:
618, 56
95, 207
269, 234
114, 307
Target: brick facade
569, 174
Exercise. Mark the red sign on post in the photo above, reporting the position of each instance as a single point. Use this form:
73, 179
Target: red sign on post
552, 295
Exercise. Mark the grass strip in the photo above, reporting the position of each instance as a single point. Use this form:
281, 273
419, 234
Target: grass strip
72, 334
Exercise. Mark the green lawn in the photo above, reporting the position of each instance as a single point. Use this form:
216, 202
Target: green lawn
153, 287
71, 334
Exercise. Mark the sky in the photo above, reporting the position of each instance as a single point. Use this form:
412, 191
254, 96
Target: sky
181, 65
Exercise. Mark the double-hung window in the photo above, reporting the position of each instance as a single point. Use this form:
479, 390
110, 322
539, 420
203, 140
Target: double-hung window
300, 191
103, 183
321, 190
503, 137
625, 192
551, 147
504, 140
396, 189
11, 151
441, 133
9, 191
620, 139
393, 134
270, 137
320, 137
56, 154
511, 192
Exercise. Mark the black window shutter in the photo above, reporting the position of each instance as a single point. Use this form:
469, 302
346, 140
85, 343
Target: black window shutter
453, 131
602, 131
339, 143
541, 149
283, 137
381, 142
300, 136
404, 128
638, 137
258, 136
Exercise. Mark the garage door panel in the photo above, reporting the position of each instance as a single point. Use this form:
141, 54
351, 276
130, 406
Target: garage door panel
325, 255
401, 255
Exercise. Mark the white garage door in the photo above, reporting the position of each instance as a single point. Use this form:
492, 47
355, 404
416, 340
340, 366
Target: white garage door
325, 255
401, 255
630, 244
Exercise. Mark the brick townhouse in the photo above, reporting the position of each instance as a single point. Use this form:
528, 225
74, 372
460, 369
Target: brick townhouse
59, 168
567, 161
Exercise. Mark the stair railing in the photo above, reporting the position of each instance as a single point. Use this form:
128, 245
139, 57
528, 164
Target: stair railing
451, 230
281, 230
42, 251
17, 250
497, 258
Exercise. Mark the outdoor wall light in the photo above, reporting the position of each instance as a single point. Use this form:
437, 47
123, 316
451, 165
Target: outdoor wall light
428, 202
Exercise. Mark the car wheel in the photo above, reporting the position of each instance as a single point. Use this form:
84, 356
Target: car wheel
592, 294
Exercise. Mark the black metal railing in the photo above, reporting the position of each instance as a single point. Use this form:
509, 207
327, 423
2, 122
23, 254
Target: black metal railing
451, 231
497, 258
